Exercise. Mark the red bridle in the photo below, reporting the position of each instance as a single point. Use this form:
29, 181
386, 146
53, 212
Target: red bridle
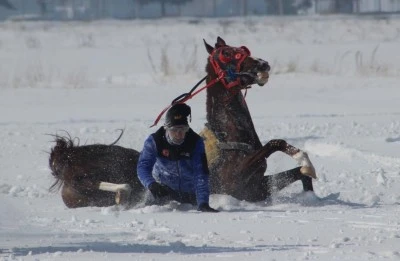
226, 61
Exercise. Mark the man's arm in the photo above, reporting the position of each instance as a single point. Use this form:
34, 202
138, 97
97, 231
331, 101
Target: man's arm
201, 173
202, 179
147, 159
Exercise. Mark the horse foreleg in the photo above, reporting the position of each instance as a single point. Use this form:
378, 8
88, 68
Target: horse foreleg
307, 167
276, 182
300, 156
255, 164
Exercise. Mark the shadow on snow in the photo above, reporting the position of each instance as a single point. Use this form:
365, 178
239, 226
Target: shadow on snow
121, 248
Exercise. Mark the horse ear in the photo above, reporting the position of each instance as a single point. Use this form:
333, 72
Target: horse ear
220, 42
209, 48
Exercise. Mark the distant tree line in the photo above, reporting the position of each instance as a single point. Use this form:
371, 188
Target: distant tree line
284, 7
164, 3
273, 6
131, 9
6, 4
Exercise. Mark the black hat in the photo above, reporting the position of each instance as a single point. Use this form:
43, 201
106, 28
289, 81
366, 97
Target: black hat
177, 115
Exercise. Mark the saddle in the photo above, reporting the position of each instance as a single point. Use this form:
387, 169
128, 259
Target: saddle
214, 146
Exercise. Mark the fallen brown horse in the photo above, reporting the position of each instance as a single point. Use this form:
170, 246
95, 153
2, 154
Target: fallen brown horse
103, 175
94, 175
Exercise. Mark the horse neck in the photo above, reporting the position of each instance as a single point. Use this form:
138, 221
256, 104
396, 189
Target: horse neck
228, 114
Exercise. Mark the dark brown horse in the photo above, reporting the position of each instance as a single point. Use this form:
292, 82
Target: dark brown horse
236, 157
102, 175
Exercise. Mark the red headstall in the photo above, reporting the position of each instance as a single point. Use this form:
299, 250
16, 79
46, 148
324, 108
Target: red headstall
226, 61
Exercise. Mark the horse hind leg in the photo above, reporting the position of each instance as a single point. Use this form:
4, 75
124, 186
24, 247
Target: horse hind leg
72, 198
100, 194
122, 191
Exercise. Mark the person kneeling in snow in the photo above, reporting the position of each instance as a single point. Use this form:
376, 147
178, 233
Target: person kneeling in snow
173, 163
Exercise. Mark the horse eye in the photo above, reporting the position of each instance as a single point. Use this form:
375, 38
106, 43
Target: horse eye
226, 53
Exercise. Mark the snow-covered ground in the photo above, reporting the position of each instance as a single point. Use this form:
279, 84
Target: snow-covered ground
334, 92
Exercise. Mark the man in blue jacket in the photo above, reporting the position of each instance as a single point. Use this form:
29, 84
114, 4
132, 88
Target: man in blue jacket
173, 163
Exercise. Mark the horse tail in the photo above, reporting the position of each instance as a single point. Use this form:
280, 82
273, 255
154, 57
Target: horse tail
66, 158
119, 137
58, 161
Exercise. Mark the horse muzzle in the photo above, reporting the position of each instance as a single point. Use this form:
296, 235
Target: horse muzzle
263, 69
249, 78
258, 74
262, 78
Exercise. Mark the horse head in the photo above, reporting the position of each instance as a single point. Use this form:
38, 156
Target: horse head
232, 69
235, 66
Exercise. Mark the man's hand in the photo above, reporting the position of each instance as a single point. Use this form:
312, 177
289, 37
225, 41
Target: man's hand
204, 207
158, 190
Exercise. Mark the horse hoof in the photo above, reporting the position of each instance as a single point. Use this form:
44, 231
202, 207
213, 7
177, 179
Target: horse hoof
122, 197
308, 171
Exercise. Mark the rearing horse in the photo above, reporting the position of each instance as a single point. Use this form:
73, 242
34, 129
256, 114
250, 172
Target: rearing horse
236, 157
104, 175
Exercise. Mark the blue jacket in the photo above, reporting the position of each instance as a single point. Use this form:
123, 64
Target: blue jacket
183, 168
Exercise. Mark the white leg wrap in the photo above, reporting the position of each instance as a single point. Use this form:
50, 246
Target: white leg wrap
307, 167
112, 187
